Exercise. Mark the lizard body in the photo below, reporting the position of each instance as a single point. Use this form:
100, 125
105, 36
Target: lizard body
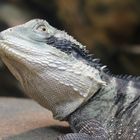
56, 71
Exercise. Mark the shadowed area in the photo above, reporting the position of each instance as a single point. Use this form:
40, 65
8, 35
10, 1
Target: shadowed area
45, 133
23, 119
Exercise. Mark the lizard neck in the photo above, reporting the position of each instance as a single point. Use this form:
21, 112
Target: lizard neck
97, 106
109, 102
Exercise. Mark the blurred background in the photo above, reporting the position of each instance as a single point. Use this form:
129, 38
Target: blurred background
109, 28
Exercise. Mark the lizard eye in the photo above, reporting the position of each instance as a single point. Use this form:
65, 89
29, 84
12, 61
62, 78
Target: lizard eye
42, 28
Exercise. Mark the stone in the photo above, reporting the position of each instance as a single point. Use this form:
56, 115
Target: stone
24, 119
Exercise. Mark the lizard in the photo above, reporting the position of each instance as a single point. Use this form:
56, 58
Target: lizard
59, 73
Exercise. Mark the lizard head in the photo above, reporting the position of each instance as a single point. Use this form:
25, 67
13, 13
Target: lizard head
50, 66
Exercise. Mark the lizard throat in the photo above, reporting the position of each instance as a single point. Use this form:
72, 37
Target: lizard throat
59, 89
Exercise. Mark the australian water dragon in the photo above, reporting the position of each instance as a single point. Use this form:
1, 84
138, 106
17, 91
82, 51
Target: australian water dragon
57, 72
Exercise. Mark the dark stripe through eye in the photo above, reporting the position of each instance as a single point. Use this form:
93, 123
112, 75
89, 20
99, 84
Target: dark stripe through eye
69, 48
72, 48
64, 45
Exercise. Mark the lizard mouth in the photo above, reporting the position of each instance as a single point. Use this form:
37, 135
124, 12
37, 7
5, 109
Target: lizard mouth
12, 60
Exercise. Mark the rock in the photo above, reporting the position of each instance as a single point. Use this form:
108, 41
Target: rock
24, 119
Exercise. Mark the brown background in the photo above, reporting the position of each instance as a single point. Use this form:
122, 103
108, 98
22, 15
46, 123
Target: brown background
109, 28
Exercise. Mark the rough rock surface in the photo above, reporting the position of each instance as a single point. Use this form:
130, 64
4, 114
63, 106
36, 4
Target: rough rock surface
24, 119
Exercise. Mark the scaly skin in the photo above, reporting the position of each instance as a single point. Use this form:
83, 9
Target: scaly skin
57, 72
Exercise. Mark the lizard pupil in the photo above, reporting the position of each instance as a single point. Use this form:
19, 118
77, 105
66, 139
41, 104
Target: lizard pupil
43, 29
